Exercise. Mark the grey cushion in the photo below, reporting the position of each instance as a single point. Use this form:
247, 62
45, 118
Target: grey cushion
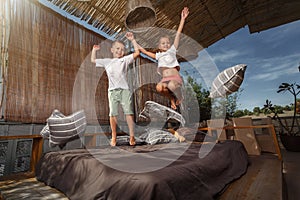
157, 136
45, 132
124, 140
63, 129
161, 112
228, 81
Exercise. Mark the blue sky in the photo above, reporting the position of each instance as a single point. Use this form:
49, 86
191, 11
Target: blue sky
272, 57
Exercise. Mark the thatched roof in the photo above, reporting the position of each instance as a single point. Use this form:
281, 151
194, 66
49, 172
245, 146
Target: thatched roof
208, 22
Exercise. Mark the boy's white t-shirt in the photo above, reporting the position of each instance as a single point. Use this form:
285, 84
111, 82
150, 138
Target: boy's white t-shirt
167, 59
116, 69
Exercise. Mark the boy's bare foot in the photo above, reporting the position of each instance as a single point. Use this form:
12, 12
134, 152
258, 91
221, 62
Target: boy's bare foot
113, 142
132, 141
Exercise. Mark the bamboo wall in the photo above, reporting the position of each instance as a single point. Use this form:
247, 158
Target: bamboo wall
49, 68
46, 54
4, 33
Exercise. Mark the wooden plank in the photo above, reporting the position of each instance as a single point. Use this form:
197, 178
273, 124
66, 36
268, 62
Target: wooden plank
13, 137
246, 136
36, 152
270, 126
263, 180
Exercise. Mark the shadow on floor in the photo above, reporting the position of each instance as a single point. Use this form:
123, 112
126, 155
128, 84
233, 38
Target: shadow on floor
291, 175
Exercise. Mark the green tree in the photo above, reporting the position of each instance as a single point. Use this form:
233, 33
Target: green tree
202, 95
256, 110
247, 112
222, 107
278, 109
288, 108
226, 107
238, 113
294, 90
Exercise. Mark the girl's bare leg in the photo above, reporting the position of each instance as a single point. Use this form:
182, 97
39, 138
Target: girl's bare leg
175, 87
163, 88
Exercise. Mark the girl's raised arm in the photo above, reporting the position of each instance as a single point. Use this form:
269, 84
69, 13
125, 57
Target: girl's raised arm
184, 14
148, 53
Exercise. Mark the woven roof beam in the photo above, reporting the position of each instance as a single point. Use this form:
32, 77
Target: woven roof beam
211, 16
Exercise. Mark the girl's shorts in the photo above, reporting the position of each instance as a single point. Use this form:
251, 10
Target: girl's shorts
176, 78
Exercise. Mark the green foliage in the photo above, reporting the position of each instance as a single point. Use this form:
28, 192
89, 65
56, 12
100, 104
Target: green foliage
256, 111
226, 107
247, 112
293, 89
202, 95
222, 107
238, 113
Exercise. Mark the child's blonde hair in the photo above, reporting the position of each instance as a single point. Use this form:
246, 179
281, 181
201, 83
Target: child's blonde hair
117, 41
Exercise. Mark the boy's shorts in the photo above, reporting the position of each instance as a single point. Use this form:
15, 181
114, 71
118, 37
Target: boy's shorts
119, 96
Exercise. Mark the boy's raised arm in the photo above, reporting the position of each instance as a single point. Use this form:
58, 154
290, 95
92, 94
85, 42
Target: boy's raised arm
93, 54
184, 14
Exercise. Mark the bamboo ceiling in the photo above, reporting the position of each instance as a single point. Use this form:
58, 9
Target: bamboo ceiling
208, 22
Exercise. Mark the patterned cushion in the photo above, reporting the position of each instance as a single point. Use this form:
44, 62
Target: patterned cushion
45, 132
161, 112
228, 81
124, 140
63, 129
157, 136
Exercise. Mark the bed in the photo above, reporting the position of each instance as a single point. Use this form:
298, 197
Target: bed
160, 171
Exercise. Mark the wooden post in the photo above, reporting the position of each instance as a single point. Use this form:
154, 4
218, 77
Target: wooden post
37, 149
275, 141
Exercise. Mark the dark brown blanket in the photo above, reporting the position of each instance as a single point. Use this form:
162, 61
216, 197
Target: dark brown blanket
144, 172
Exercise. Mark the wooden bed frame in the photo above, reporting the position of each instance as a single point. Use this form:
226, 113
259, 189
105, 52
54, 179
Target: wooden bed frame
263, 179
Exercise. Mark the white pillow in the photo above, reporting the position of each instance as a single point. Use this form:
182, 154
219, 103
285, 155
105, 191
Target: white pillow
228, 81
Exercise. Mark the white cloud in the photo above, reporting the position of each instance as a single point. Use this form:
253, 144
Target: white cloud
227, 55
273, 68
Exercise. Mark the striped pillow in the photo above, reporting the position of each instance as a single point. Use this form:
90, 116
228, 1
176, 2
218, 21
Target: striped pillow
228, 81
153, 110
157, 136
66, 129
45, 132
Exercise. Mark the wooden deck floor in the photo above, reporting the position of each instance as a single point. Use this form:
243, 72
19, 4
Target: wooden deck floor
262, 181
27, 187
